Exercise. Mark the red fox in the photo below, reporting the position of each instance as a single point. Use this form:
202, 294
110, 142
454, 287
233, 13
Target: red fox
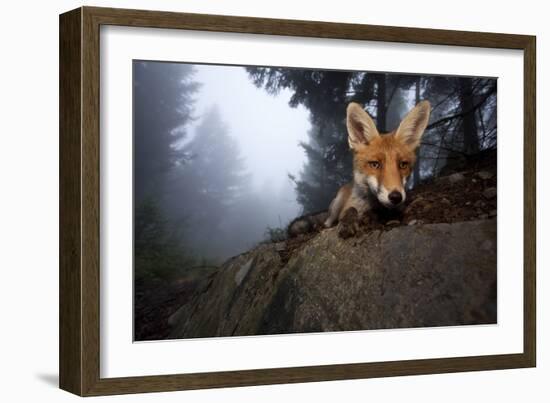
381, 163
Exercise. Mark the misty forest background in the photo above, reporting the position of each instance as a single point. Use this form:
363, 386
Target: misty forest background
196, 202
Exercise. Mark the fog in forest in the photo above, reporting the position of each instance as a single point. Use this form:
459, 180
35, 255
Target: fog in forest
267, 130
225, 157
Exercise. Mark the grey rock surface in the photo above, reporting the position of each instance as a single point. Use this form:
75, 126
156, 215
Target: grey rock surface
407, 276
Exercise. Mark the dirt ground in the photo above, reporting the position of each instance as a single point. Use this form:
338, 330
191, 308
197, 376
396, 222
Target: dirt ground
156, 300
153, 305
461, 196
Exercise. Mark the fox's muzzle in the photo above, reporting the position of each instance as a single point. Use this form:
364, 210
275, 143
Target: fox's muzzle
390, 199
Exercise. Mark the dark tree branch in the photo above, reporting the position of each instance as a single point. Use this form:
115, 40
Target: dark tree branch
464, 113
446, 99
450, 149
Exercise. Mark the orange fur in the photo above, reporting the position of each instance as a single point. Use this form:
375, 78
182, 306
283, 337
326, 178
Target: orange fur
381, 163
389, 152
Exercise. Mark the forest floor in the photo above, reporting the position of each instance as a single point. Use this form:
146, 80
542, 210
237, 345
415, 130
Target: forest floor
461, 196
156, 300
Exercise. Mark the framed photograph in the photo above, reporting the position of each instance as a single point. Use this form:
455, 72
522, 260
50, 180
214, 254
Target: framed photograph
249, 201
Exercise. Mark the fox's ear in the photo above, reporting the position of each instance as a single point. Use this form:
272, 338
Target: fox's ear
361, 128
412, 127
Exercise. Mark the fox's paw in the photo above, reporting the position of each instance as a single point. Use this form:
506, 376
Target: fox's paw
349, 224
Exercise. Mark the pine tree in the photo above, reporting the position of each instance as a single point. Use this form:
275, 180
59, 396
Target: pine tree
163, 105
208, 187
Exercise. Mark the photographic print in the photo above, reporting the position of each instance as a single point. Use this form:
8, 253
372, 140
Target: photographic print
320, 196
277, 200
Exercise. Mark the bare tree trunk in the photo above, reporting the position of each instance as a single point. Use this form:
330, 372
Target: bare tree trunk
381, 106
483, 129
469, 126
416, 172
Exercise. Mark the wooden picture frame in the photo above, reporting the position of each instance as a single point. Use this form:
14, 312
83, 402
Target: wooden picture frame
79, 201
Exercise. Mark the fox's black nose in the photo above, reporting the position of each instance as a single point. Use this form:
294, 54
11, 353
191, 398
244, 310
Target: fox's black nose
395, 197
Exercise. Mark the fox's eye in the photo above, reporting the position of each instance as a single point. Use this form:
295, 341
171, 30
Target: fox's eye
403, 164
374, 164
